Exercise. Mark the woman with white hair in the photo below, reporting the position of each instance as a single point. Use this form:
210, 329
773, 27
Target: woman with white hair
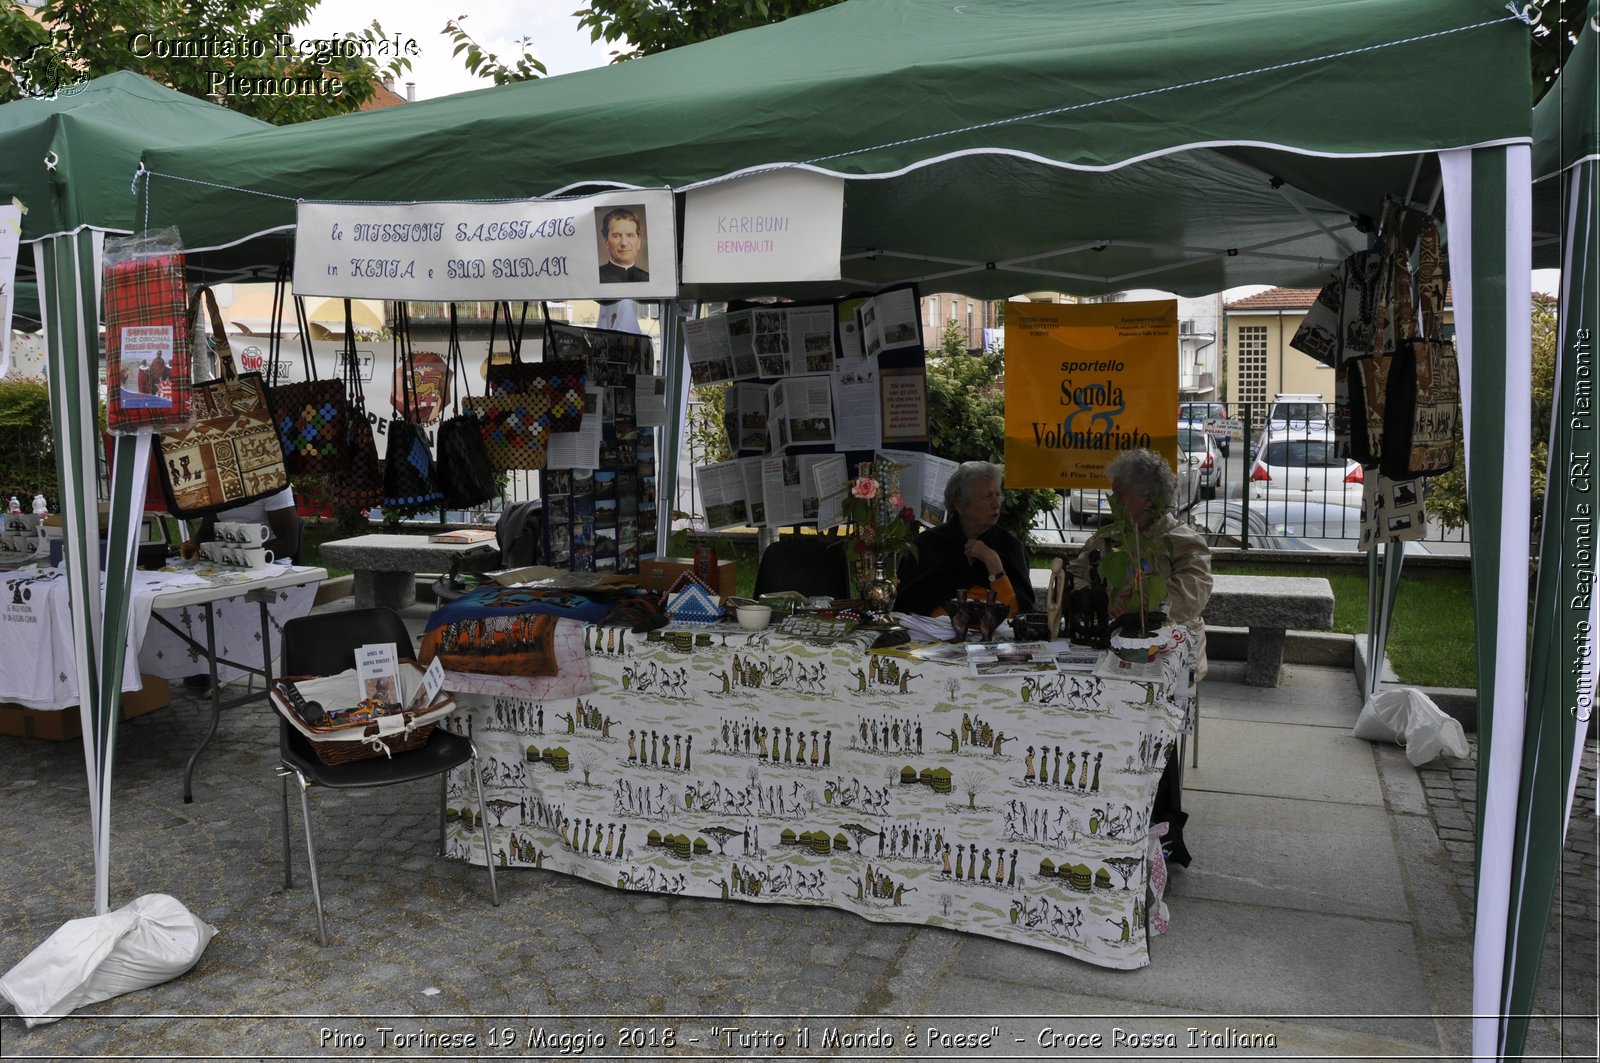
969, 551
1144, 486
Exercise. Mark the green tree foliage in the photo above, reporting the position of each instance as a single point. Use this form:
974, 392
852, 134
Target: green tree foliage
644, 27
70, 40
1447, 494
27, 442
489, 65
966, 416
708, 437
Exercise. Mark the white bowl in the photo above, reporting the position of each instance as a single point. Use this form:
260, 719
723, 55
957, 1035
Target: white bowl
754, 617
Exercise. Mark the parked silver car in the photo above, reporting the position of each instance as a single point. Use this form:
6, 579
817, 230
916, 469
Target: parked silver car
1198, 451
1091, 505
1285, 524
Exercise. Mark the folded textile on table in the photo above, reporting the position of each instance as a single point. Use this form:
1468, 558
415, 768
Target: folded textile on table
512, 631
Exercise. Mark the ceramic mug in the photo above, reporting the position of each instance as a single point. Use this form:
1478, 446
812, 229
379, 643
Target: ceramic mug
252, 557
214, 551
251, 534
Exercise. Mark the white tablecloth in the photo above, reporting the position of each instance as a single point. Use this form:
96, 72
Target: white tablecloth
38, 650
757, 768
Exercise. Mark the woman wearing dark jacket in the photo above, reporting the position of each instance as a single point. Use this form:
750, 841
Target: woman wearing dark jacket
969, 551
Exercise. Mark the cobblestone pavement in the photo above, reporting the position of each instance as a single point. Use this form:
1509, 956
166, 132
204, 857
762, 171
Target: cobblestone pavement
1565, 1000
417, 948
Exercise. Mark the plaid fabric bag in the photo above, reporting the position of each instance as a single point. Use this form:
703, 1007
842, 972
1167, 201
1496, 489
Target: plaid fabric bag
230, 455
309, 414
148, 370
356, 481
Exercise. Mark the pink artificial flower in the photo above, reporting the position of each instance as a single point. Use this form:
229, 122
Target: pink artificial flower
895, 501
865, 488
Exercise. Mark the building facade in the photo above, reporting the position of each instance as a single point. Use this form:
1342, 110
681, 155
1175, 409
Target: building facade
1261, 362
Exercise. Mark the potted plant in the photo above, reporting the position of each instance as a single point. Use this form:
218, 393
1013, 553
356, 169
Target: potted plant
1129, 565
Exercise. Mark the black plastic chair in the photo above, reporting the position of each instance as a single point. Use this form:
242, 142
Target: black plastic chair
325, 644
810, 564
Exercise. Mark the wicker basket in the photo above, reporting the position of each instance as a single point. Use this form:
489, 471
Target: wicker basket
346, 743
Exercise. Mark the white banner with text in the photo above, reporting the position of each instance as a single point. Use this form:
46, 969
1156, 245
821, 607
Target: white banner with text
619, 245
782, 226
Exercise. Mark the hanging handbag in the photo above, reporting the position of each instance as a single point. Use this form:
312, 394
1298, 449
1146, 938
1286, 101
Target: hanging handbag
461, 466
567, 376
1424, 385
514, 376
515, 428
147, 342
356, 482
230, 455
559, 381
1367, 376
309, 414
408, 481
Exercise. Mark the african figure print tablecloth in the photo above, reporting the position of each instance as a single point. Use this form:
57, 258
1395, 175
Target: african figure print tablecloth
765, 769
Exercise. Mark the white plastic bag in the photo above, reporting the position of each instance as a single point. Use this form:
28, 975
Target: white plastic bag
144, 943
1406, 716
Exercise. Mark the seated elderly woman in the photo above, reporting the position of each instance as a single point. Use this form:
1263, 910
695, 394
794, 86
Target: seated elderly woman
1142, 484
969, 551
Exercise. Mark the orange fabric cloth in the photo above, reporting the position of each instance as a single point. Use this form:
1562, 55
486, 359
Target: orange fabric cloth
1003, 592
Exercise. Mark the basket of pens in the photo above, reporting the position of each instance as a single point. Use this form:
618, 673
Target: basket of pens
349, 717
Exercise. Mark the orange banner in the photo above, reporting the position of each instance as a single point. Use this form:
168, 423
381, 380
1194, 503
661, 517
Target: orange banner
1085, 382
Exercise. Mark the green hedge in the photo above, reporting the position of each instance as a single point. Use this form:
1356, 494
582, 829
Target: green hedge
27, 443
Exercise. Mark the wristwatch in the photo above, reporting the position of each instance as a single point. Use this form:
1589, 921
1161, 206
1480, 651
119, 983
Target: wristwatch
998, 576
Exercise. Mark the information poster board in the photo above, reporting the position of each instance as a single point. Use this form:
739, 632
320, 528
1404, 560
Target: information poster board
1084, 382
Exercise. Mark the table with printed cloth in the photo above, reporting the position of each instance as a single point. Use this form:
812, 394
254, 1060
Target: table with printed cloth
718, 763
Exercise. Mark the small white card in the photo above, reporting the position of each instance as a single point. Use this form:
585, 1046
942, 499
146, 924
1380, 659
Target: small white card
378, 673
429, 686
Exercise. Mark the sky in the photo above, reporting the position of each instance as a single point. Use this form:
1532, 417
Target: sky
497, 25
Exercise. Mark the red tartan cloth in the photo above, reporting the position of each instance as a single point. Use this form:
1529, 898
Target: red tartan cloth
149, 386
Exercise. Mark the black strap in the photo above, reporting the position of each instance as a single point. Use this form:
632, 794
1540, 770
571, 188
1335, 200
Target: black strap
457, 364
308, 357
352, 365
280, 292
402, 356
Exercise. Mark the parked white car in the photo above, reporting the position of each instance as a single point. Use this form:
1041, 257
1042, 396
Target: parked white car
1304, 465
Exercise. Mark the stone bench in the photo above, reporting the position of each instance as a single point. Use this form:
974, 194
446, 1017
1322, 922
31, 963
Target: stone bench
386, 566
1270, 606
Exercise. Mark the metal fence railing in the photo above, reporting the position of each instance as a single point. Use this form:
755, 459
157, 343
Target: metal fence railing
1299, 496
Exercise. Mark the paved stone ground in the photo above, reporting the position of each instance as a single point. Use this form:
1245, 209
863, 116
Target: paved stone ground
1565, 1001
417, 947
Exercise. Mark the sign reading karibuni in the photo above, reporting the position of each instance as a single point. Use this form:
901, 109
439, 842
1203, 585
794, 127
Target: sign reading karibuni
1084, 383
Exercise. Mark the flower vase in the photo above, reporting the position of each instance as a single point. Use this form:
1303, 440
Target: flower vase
877, 586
